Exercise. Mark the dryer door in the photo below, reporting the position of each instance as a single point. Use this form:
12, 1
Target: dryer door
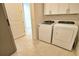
63, 36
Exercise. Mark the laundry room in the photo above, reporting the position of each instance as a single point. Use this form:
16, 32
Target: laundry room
39, 29
45, 14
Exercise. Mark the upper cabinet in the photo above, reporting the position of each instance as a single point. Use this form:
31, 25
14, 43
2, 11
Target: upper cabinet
61, 8
74, 8
50, 8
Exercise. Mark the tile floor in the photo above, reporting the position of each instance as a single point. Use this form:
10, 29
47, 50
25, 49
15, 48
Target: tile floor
26, 46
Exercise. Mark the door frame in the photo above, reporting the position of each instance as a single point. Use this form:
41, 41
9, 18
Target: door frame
33, 20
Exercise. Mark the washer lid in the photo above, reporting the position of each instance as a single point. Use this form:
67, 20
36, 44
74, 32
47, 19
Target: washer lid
48, 22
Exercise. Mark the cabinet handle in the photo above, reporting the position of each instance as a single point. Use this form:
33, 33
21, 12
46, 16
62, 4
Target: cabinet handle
68, 11
8, 22
50, 12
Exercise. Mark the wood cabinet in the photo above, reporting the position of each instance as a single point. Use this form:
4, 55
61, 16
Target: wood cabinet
61, 8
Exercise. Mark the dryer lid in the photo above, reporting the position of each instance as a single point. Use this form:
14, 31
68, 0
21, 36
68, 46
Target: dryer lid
66, 22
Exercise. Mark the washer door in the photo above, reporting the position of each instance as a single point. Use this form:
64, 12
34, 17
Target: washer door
45, 32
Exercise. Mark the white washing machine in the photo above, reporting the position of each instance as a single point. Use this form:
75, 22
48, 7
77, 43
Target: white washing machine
64, 34
45, 31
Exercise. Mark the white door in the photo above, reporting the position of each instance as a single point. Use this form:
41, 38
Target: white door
15, 16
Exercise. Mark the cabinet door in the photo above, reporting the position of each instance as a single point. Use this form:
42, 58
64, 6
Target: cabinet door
74, 8
15, 16
50, 8
55, 8
62, 8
